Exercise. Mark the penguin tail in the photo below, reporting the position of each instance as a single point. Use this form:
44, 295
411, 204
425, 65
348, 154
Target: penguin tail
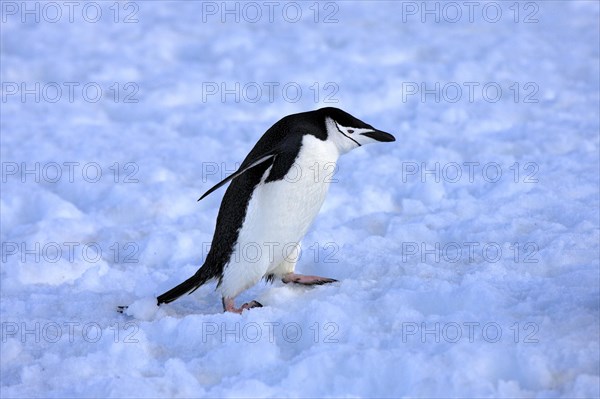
187, 287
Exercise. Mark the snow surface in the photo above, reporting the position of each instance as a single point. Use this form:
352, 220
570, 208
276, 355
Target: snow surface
400, 321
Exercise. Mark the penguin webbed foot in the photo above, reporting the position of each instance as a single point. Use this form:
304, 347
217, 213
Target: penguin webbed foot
229, 306
306, 280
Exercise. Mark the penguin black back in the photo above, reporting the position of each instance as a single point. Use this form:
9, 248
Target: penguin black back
280, 146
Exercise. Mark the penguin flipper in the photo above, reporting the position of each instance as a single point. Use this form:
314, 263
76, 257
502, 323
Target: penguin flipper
238, 172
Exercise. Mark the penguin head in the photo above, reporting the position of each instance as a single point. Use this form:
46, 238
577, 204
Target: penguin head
348, 132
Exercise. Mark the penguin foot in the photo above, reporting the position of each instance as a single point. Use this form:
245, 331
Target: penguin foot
229, 306
306, 280
252, 304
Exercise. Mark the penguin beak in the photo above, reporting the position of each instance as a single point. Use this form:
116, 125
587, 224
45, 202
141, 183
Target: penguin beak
379, 135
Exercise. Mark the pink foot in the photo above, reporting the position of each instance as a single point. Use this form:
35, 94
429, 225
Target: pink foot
229, 306
306, 280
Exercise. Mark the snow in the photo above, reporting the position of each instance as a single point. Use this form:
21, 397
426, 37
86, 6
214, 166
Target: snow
454, 280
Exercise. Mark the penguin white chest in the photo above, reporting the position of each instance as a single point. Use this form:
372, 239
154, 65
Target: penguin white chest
279, 214
285, 209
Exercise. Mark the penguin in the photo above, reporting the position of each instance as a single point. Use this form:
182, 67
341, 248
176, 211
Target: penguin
272, 200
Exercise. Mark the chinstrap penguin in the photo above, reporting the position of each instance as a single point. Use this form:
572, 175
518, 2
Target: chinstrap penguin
272, 200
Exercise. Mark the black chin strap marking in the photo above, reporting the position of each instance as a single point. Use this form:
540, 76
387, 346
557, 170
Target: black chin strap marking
339, 130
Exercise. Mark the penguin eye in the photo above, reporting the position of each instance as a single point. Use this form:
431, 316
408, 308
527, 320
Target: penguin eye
350, 131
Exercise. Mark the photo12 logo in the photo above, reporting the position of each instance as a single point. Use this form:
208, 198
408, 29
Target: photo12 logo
54, 92
253, 92
470, 331
469, 252
69, 251
53, 12
252, 332
469, 171
318, 172
69, 171
469, 92
269, 11
69, 331
254, 252
492, 12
